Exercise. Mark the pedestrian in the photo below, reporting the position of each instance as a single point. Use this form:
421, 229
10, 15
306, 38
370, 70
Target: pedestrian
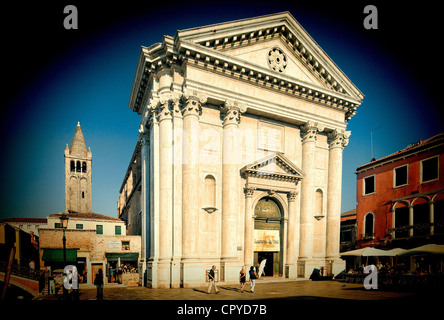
98, 281
253, 276
119, 274
111, 274
242, 279
212, 279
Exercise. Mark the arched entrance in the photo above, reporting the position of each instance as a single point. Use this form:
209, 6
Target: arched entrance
268, 236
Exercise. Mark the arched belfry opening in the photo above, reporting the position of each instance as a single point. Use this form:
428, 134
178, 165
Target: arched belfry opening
268, 235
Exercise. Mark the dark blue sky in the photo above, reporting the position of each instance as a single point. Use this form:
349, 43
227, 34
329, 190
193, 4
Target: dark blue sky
56, 77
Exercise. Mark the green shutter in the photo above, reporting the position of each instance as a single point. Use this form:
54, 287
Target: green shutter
57, 255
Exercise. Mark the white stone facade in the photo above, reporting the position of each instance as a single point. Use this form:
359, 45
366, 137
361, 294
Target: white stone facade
232, 114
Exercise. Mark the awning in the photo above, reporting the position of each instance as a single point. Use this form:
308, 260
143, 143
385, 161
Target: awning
366, 252
124, 256
425, 249
57, 255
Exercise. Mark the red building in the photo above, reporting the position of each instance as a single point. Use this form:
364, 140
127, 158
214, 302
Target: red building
400, 197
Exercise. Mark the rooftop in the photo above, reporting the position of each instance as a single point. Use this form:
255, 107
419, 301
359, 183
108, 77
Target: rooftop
422, 145
24, 220
86, 215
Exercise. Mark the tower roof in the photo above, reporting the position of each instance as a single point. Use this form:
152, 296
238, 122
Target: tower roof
78, 145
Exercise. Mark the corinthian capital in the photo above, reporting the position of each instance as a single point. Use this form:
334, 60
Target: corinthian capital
309, 131
193, 102
338, 138
231, 111
292, 196
162, 110
249, 191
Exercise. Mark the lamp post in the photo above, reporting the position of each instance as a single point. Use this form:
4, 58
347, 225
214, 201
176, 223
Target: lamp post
64, 225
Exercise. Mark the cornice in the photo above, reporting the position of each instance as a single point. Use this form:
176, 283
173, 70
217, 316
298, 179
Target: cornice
282, 25
204, 48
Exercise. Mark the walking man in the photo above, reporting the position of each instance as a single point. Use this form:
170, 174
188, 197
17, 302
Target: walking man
212, 279
253, 276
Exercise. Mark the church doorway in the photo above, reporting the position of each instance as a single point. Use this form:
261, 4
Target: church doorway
268, 229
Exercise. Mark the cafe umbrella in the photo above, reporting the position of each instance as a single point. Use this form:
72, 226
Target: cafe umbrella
366, 252
425, 249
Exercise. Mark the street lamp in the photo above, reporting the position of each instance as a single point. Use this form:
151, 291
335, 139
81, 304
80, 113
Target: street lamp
64, 224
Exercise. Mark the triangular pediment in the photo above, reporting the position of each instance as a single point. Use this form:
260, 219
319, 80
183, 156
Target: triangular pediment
275, 166
278, 43
275, 55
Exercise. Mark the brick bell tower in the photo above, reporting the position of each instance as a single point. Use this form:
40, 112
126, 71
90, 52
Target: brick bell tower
78, 174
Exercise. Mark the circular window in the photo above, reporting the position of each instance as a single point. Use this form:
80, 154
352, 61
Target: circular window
277, 60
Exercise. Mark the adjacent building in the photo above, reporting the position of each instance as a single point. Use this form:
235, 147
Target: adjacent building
93, 241
400, 197
349, 228
26, 244
239, 152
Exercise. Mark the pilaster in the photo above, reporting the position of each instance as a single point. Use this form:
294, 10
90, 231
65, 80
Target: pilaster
145, 197
249, 227
292, 235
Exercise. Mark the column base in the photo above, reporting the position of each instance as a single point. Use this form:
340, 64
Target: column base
175, 273
193, 273
142, 273
305, 267
164, 274
291, 271
337, 265
151, 273
230, 269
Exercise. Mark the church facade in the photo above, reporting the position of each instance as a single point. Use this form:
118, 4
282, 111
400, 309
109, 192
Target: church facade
239, 153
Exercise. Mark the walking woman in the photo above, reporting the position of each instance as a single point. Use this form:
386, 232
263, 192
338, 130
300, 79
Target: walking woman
242, 279
98, 281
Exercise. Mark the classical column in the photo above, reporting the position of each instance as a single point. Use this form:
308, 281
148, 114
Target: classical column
163, 115
292, 234
309, 133
410, 220
337, 141
145, 197
177, 189
230, 112
249, 227
230, 178
191, 109
432, 217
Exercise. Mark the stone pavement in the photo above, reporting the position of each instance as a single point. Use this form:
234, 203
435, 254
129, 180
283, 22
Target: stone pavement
265, 289
272, 299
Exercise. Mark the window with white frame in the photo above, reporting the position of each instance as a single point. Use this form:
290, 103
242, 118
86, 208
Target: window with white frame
430, 169
401, 176
369, 185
